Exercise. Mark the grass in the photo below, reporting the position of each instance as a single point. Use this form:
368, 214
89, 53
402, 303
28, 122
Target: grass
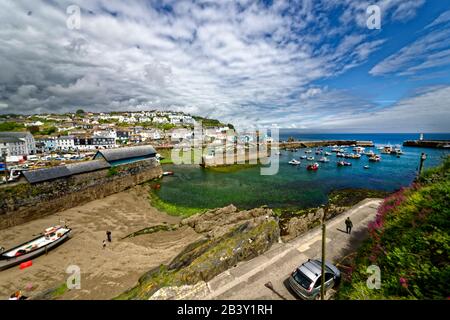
59, 291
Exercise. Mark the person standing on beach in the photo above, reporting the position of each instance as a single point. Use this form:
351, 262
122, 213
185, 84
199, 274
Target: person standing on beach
104, 244
108, 236
348, 225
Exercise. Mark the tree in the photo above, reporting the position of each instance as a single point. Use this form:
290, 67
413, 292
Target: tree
80, 112
33, 129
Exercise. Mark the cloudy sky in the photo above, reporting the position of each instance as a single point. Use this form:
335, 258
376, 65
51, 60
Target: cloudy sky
307, 64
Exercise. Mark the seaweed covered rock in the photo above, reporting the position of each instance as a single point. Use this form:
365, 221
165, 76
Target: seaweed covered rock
215, 223
231, 236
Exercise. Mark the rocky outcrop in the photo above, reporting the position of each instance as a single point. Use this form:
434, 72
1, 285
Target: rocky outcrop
215, 223
230, 236
297, 225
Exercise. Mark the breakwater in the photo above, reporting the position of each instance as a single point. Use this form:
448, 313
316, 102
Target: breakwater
22, 202
324, 143
439, 144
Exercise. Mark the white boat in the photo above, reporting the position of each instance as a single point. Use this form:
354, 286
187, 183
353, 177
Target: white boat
308, 151
359, 149
294, 162
310, 158
324, 159
303, 157
327, 153
366, 167
51, 238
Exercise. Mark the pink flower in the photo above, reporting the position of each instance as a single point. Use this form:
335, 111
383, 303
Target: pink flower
403, 282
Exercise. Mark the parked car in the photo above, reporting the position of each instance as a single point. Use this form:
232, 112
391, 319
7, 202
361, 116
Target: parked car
306, 280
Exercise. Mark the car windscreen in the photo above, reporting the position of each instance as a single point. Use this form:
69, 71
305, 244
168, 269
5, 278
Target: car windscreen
302, 280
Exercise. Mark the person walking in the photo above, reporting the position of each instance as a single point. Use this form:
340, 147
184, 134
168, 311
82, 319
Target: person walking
108, 236
348, 225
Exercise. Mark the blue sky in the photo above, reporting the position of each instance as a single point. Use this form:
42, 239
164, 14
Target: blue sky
310, 65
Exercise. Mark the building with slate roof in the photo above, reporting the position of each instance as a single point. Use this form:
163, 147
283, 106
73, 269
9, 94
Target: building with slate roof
48, 174
126, 155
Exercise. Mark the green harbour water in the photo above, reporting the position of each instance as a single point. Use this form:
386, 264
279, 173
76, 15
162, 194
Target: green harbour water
195, 187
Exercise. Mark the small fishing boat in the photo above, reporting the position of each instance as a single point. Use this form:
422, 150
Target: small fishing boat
327, 153
308, 151
313, 167
310, 158
51, 238
343, 164
397, 151
168, 173
369, 153
324, 159
359, 149
294, 162
340, 155
303, 157
375, 158
366, 167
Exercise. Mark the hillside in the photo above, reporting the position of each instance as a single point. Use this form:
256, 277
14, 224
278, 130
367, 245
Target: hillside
409, 242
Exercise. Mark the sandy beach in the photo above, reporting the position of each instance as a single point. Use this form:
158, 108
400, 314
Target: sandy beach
105, 273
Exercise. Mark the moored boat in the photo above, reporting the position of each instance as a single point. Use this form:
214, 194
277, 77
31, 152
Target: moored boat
324, 159
294, 162
375, 158
313, 167
310, 158
51, 238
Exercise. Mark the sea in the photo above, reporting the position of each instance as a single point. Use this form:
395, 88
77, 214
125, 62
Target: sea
195, 187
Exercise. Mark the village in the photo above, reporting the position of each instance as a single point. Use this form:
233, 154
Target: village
45, 140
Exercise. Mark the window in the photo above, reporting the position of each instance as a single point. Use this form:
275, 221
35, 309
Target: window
318, 282
302, 279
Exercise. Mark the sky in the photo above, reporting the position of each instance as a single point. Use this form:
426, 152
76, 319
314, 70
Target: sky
312, 65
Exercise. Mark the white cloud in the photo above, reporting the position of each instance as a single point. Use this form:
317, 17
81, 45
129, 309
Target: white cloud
430, 50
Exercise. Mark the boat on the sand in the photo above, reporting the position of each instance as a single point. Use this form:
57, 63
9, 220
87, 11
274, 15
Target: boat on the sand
51, 238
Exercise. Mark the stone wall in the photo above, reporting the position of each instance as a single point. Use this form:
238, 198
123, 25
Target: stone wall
24, 202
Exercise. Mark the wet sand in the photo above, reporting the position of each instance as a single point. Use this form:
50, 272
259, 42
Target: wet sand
105, 273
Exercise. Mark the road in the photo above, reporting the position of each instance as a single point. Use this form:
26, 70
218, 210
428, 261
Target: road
247, 280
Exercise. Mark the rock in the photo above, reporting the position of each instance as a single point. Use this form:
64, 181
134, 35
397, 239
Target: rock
215, 223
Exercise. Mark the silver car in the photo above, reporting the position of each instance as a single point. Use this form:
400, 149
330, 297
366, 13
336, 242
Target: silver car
306, 280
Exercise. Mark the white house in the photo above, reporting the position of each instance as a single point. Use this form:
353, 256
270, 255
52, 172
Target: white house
26, 137
65, 143
160, 120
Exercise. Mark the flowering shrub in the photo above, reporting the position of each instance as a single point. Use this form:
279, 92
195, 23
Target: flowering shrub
409, 240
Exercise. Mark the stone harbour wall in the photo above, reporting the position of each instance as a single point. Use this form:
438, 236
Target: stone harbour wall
24, 202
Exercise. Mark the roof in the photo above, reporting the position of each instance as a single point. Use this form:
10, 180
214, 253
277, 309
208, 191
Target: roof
10, 140
34, 176
41, 175
87, 166
4, 134
126, 153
